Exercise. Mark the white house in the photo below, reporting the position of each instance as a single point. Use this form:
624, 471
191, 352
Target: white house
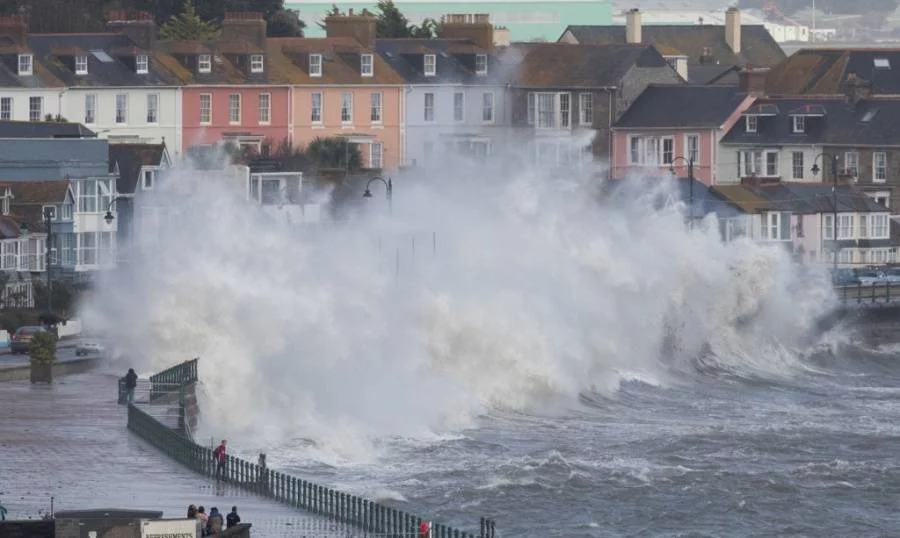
151, 115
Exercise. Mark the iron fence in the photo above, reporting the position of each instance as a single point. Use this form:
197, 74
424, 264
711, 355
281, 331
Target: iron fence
178, 375
878, 293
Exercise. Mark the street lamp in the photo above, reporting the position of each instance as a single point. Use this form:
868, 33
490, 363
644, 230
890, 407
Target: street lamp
109, 217
834, 223
388, 185
690, 167
49, 215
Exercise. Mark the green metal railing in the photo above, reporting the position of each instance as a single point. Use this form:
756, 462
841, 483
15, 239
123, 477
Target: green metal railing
878, 293
368, 516
176, 376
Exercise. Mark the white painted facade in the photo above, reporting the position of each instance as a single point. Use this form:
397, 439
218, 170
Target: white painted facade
783, 162
444, 118
27, 104
127, 114
781, 32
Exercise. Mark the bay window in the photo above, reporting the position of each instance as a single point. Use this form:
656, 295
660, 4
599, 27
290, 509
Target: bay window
549, 110
775, 226
651, 150
846, 225
878, 226
759, 163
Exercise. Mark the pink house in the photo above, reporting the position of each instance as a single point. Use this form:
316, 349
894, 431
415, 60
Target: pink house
669, 126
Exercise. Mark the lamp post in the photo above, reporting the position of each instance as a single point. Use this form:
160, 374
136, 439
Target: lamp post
690, 167
49, 215
834, 223
389, 190
109, 217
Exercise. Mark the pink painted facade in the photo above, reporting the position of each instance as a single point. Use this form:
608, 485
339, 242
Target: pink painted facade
227, 116
374, 122
703, 143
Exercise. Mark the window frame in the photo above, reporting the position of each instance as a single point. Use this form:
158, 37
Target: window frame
883, 168
315, 68
6, 113
32, 99
692, 153
798, 124
429, 65
637, 147
313, 109
428, 112
585, 102
154, 120
346, 108
142, 64
25, 65
376, 111
234, 105
257, 63
123, 99
459, 107
751, 123
208, 108
81, 65
204, 63
90, 105
481, 64
267, 108
795, 167
488, 107
367, 60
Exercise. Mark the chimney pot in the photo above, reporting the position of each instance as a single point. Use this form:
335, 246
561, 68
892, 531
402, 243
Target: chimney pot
752, 81
633, 26
244, 26
733, 29
14, 27
476, 28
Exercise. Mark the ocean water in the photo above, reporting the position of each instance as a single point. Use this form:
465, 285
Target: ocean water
523, 349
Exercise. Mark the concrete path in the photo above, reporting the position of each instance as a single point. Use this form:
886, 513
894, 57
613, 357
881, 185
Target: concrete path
69, 441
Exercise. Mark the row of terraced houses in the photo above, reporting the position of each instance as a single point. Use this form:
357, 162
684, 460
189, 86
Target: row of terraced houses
758, 138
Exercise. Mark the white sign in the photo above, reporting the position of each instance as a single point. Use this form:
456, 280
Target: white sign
169, 528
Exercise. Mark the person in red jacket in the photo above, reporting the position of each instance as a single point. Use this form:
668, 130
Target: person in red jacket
220, 457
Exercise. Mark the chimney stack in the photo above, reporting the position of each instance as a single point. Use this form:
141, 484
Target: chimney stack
753, 81
476, 28
139, 26
733, 29
245, 26
359, 26
633, 26
15, 28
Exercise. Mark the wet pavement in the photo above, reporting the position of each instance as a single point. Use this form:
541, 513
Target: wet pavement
68, 441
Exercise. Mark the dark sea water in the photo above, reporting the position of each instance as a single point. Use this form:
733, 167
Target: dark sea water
810, 451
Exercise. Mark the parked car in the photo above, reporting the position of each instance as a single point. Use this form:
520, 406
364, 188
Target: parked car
88, 348
844, 277
893, 275
869, 277
21, 339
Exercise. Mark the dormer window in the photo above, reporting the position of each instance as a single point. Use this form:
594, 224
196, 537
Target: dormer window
751, 122
81, 65
142, 64
481, 64
799, 124
366, 67
430, 65
256, 63
315, 65
204, 63
25, 64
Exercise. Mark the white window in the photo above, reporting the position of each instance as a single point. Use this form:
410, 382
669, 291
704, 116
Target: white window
315, 110
25, 64
586, 109
880, 256
64, 212
234, 108
828, 226
759, 163
256, 63
376, 155
142, 64
346, 108
549, 110
315, 65
87, 195
846, 227
152, 108
459, 106
487, 107
121, 108
6, 108
90, 108
851, 164
148, 179
651, 150
204, 63
377, 98
879, 167
81, 65
430, 65
35, 108
87, 248
366, 65
265, 108
881, 197
429, 107
878, 226
799, 124
776, 226
845, 256
797, 165
481, 64
751, 123
205, 109
692, 147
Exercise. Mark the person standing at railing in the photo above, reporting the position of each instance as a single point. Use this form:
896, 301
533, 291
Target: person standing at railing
232, 518
131, 379
220, 457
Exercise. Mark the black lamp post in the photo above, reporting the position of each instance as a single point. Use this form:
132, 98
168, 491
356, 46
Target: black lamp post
389, 190
49, 215
834, 223
690, 167
109, 217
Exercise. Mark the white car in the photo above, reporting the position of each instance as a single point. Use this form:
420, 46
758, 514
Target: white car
88, 348
871, 278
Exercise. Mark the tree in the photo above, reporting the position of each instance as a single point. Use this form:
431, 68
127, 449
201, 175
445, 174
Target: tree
285, 23
188, 26
392, 23
42, 351
333, 152
64, 296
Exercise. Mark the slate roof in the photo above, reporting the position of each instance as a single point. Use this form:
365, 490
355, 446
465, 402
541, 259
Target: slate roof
10, 226
713, 74
39, 192
824, 71
681, 106
44, 129
758, 47
799, 198
454, 60
288, 61
130, 158
561, 65
873, 122
107, 65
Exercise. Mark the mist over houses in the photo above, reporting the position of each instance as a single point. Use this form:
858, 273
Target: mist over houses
800, 150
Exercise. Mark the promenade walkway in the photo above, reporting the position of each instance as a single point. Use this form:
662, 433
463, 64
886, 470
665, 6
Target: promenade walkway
68, 441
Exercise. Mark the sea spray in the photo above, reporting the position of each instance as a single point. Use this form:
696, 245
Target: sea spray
474, 294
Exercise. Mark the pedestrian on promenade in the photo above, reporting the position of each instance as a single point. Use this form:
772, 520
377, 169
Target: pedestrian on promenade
3, 513
232, 518
202, 517
130, 384
214, 526
192, 512
220, 456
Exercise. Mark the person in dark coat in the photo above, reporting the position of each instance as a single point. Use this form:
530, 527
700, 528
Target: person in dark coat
232, 518
131, 379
